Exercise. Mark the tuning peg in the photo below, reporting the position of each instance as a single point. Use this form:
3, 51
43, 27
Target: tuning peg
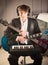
4, 22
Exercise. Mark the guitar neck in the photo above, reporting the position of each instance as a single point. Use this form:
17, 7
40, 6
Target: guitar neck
5, 23
15, 29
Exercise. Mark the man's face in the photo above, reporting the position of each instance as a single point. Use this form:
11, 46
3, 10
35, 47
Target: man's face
23, 15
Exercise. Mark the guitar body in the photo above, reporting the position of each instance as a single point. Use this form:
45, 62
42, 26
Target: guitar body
4, 42
43, 44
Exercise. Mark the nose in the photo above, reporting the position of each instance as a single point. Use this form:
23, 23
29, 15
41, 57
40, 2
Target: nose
22, 14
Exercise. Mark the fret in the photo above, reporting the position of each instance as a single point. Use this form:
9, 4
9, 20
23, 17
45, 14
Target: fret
31, 36
40, 33
37, 35
34, 35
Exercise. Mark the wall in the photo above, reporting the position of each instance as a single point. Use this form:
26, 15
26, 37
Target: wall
39, 6
11, 5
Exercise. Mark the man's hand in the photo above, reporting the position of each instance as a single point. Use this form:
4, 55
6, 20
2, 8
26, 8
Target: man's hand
24, 33
22, 38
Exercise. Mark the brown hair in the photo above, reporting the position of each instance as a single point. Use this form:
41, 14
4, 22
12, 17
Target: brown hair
24, 8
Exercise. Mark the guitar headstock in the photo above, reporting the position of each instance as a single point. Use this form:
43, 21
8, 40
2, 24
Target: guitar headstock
4, 22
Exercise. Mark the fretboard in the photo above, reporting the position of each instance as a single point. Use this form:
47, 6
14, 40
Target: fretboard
35, 35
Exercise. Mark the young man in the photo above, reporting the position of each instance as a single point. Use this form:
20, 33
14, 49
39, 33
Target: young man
27, 26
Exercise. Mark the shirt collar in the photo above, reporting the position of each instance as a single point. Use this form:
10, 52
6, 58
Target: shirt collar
24, 22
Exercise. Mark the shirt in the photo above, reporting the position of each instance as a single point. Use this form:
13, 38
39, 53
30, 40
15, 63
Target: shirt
23, 28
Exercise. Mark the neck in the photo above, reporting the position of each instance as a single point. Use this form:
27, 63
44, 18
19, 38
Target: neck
23, 20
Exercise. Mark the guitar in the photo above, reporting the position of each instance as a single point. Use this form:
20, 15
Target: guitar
42, 43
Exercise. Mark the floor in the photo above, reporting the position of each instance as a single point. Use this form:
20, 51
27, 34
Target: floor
4, 55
